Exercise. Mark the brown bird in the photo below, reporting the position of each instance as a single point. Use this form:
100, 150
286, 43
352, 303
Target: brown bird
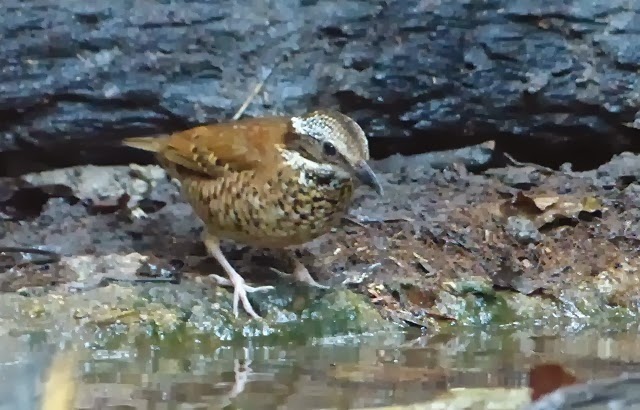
271, 182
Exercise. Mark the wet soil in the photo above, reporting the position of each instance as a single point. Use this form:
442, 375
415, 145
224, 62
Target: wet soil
511, 245
110, 258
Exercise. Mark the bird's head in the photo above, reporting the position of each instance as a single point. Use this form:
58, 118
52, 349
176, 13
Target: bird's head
332, 137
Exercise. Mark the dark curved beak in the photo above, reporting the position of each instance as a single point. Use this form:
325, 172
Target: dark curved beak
366, 175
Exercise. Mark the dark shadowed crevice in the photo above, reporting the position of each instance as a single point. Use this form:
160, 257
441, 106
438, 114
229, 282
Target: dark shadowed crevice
549, 83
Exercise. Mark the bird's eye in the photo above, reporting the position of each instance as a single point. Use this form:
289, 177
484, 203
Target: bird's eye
329, 149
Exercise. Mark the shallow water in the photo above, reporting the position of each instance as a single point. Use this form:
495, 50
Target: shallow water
339, 374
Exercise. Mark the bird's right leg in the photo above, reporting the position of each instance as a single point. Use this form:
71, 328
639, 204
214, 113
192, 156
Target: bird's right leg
240, 288
300, 272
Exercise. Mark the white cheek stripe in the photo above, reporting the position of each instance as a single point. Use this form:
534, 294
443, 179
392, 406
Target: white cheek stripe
298, 162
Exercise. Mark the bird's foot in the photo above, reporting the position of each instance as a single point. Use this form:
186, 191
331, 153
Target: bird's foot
221, 281
240, 287
301, 274
240, 291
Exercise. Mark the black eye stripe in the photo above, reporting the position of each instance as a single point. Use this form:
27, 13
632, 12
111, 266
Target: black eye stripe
329, 149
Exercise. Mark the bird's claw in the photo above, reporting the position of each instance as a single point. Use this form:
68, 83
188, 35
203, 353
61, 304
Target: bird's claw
240, 291
300, 278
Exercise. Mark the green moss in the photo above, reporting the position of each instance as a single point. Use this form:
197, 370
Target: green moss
188, 312
291, 315
474, 303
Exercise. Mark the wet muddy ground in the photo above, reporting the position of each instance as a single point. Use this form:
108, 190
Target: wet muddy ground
516, 243
519, 247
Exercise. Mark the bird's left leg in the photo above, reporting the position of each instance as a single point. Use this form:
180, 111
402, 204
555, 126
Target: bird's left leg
240, 288
300, 272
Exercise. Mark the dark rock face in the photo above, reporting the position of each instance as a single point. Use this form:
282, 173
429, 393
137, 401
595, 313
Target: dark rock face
528, 74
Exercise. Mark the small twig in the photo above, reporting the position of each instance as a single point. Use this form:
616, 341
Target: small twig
107, 280
517, 163
256, 89
424, 264
174, 280
398, 219
46, 256
363, 220
353, 221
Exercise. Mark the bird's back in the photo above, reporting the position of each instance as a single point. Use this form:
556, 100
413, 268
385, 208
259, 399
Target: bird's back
214, 149
246, 185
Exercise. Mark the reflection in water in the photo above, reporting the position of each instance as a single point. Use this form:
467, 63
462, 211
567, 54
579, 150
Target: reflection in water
372, 372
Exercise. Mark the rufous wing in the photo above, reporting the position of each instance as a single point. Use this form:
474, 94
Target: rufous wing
214, 149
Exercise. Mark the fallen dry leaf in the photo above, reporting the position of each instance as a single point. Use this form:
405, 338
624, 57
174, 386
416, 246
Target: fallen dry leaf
548, 209
547, 378
107, 206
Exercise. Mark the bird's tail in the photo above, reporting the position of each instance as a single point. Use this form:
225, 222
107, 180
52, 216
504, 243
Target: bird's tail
151, 143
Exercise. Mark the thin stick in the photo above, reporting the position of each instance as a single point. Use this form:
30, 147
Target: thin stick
256, 89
